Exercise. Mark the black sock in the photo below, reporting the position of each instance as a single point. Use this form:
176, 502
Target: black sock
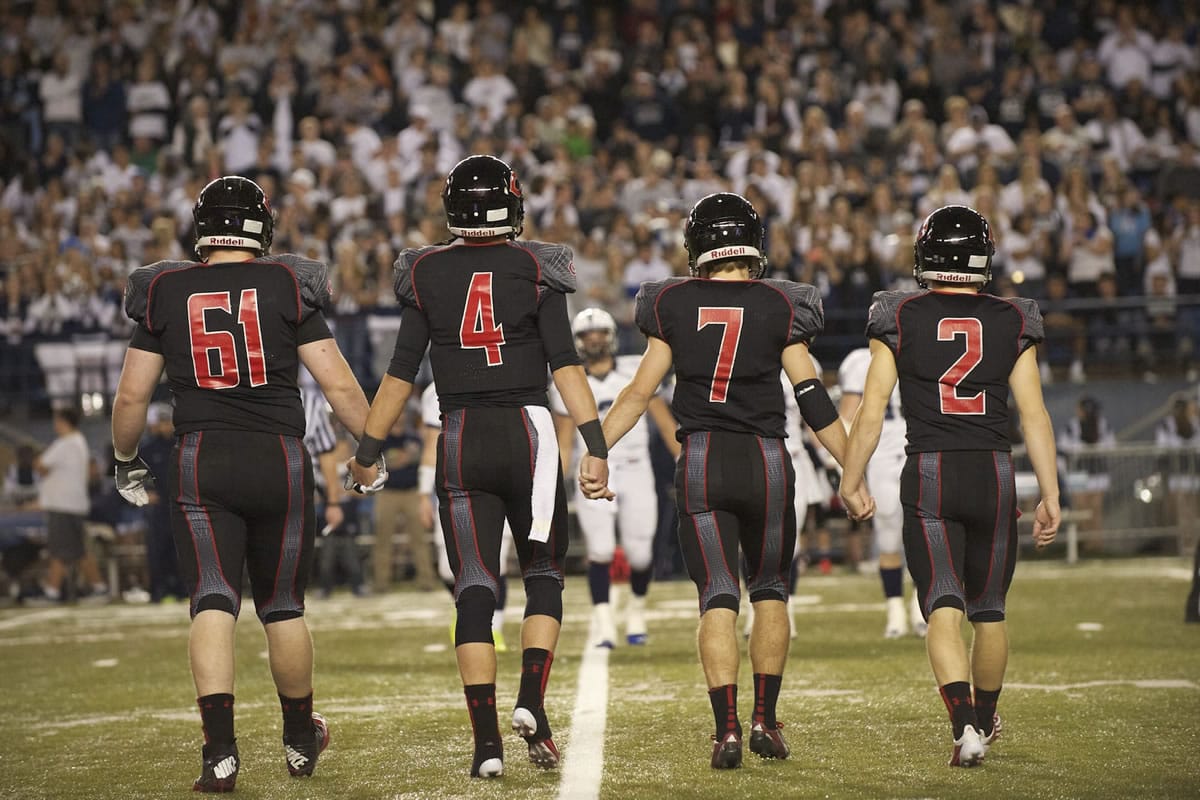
766, 693
481, 705
639, 581
535, 671
893, 581
599, 581
216, 715
957, 697
501, 592
724, 705
297, 717
985, 709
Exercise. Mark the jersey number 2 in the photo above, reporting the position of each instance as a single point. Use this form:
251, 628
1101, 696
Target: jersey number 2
479, 329
731, 320
205, 341
971, 330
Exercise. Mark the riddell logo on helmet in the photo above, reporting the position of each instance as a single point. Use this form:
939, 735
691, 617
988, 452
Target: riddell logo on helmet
729, 252
953, 277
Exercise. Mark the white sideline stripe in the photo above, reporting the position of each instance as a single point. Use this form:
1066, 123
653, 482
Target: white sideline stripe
583, 766
1149, 683
32, 617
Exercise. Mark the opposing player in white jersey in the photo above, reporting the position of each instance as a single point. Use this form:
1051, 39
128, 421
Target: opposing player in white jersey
630, 475
431, 420
883, 476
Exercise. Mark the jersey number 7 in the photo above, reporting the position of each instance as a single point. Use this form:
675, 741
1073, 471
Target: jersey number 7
204, 341
730, 318
479, 330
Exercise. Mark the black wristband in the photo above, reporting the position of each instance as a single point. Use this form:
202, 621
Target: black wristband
369, 449
815, 405
593, 437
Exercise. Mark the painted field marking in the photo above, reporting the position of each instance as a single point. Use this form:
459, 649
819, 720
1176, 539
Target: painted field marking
1143, 683
583, 766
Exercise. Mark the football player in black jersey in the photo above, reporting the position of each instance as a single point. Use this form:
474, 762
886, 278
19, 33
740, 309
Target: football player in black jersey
493, 312
231, 330
727, 332
956, 353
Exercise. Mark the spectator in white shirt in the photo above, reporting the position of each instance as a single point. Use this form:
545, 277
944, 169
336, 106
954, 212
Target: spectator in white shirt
148, 101
1116, 135
964, 144
61, 93
238, 132
314, 152
1126, 51
489, 88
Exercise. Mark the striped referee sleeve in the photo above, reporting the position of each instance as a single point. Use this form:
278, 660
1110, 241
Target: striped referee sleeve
319, 436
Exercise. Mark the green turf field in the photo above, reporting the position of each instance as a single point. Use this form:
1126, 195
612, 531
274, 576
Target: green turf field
97, 701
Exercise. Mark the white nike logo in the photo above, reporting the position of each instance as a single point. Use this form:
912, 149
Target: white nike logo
296, 758
805, 390
226, 767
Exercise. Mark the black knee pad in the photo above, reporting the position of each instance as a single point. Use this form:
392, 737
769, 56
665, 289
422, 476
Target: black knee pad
281, 616
949, 601
773, 591
475, 606
722, 601
543, 595
216, 602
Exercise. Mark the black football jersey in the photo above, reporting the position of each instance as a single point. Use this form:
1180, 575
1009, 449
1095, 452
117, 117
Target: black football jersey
954, 353
493, 315
726, 339
229, 335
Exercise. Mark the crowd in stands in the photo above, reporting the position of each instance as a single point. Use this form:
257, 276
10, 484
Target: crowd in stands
1073, 125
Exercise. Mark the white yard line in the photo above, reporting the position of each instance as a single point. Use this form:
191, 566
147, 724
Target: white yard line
583, 765
32, 617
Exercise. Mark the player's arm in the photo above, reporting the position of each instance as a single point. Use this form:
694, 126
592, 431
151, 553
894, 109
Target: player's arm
1026, 385
664, 420
392, 394
816, 408
328, 366
868, 420
634, 399
139, 377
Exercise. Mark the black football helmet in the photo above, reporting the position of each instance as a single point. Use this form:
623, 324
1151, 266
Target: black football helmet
483, 198
233, 212
721, 226
954, 245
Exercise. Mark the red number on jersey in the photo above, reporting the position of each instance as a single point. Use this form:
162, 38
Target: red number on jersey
731, 319
224, 343
479, 329
971, 330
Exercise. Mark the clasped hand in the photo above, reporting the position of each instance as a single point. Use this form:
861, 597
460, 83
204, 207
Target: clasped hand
593, 478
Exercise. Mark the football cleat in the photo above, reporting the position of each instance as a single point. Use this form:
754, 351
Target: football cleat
968, 749
220, 769
533, 727
727, 751
488, 761
897, 621
635, 621
604, 630
302, 756
768, 742
991, 738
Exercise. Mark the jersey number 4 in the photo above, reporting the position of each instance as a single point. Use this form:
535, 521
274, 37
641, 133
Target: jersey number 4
971, 330
730, 318
205, 342
479, 330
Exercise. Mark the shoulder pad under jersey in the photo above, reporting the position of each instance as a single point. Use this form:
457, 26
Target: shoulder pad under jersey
556, 264
402, 274
645, 312
137, 287
808, 314
881, 318
312, 276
